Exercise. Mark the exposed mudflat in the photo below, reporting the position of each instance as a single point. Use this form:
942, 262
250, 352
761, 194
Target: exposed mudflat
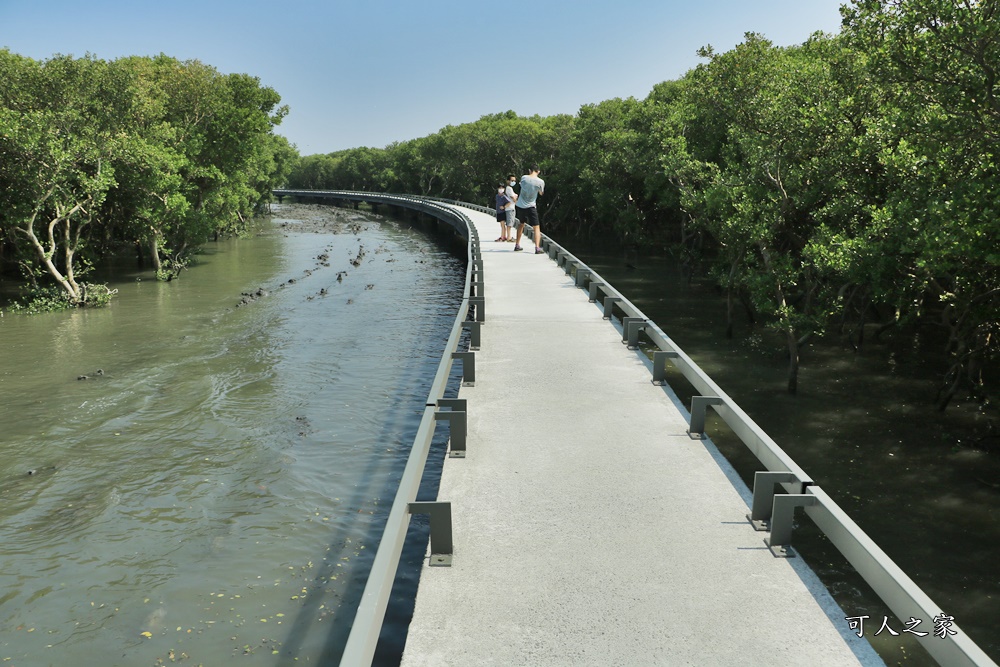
320, 218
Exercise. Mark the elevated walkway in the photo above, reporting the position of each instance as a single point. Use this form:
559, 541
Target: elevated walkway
589, 527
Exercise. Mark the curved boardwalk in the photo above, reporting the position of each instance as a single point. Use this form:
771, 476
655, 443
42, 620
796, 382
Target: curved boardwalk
589, 529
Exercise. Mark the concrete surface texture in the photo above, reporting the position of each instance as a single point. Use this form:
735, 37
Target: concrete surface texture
589, 528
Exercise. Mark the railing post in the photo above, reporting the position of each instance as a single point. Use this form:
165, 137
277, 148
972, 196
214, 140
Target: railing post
479, 302
441, 540
468, 367
631, 326
699, 405
609, 305
763, 496
582, 276
660, 365
475, 335
782, 516
457, 418
592, 291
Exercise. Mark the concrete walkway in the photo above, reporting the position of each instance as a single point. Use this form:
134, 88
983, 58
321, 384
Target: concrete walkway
589, 529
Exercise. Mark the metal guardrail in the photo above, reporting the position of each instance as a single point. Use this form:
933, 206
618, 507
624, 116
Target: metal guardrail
775, 512
368, 619
769, 511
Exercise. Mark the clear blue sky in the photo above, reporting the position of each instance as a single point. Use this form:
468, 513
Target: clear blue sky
370, 72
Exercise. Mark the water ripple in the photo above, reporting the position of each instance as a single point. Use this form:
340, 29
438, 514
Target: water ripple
243, 452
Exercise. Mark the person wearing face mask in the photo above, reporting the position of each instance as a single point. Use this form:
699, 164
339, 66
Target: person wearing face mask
502, 202
509, 209
527, 211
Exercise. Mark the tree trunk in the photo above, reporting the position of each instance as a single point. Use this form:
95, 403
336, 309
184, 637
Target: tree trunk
729, 313
950, 385
887, 325
729, 296
154, 254
748, 308
862, 320
793, 361
46, 259
68, 253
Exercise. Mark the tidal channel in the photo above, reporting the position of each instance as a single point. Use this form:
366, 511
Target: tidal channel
200, 472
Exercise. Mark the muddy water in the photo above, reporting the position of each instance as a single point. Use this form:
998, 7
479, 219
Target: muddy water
864, 427
212, 489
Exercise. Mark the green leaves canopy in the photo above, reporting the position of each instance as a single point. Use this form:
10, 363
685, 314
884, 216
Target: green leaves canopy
849, 178
97, 155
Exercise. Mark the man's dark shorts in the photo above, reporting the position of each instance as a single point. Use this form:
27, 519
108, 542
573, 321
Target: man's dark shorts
528, 216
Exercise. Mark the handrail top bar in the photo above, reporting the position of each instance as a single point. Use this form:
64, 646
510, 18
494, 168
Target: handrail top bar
900, 593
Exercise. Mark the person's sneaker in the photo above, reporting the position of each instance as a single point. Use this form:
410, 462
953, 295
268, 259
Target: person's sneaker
539, 251
517, 247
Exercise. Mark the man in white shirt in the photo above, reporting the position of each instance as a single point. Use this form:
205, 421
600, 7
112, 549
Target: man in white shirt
527, 211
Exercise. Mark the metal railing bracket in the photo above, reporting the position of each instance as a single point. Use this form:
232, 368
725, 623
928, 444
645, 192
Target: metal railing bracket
699, 406
440, 517
763, 496
468, 367
609, 305
631, 326
475, 333
782, 520
458, 424
479, 303
660, 365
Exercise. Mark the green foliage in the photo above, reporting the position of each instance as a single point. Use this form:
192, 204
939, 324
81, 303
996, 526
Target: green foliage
97, 295
849, 178
608, 181
52, 298
42, 300
938, 62
459, 162
96, 156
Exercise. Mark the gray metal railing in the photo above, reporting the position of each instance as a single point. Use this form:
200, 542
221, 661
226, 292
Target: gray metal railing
769, 511
368, 619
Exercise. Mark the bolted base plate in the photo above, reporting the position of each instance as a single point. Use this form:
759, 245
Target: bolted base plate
440, 560
761, 525
781, 551
456, 455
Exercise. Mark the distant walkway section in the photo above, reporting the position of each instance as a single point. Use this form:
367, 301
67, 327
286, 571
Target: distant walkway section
589, 527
